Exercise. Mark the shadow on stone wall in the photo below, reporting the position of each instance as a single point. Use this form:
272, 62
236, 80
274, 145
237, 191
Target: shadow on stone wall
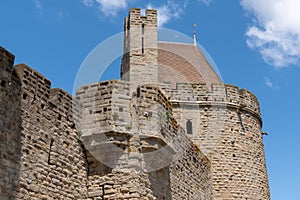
160, 184
10, 128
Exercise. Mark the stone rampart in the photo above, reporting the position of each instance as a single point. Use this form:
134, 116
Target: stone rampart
225, 123
139, 133
115, 142
217, 94
45, 157
10, 128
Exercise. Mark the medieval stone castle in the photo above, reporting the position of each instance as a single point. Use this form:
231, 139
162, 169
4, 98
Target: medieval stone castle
169, 129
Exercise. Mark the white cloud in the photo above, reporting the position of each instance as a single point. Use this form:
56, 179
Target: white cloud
207, 2
37, 4
108, 7
111, 7
168, 12
88, 3
62, 14
275, 30
270, 84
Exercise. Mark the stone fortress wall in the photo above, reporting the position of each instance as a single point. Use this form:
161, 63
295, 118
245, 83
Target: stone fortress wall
41, 156
10, 127
222, 120
116, 140
141, 136
226, 125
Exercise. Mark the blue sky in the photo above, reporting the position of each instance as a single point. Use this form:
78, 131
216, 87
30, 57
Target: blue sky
255, 44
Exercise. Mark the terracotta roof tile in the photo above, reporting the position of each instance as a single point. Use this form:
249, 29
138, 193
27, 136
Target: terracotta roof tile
184, 63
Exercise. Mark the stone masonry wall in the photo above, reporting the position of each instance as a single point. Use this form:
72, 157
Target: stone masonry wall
52, 160
125, 143
149, 149
10, 128
226, 125
189, 171
139, 64
190, 175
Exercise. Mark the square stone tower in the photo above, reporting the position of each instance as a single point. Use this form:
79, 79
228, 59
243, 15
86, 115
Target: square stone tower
139, 63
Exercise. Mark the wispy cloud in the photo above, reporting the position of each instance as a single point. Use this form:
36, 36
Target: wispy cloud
168, 11
39, 7
111, 7
107, 7
37, 4
88, 3
275, 30
207, 2
270, 84
62, 14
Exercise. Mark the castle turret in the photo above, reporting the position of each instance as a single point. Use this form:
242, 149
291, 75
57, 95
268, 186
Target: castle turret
139, 64
225, 123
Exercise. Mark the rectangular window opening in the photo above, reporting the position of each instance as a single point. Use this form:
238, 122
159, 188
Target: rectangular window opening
49, 153
143, 50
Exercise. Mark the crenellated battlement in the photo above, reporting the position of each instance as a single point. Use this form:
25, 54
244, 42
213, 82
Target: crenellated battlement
140, 48
111, 104
6, 67
123, 139
35, 86
37, 128
6, 59
136, 132
136, 19
36, 91
63, 104
108, 102
226, 94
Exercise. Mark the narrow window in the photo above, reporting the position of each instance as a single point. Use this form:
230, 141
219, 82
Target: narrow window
143, 29
49, 154
138, 92
143, 42
143, 50
189, 127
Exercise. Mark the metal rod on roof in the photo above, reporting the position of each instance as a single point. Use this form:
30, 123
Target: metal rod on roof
194, 33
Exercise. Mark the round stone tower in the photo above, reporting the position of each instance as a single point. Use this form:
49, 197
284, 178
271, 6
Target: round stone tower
222, 120
230, 134
225, 122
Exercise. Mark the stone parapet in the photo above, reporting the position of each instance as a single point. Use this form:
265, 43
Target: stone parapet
35, 86
10, 128
138, 135
217, 94
51, 159
6, 66
136, 19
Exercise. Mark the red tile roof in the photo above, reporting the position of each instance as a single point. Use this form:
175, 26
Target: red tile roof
184, 63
